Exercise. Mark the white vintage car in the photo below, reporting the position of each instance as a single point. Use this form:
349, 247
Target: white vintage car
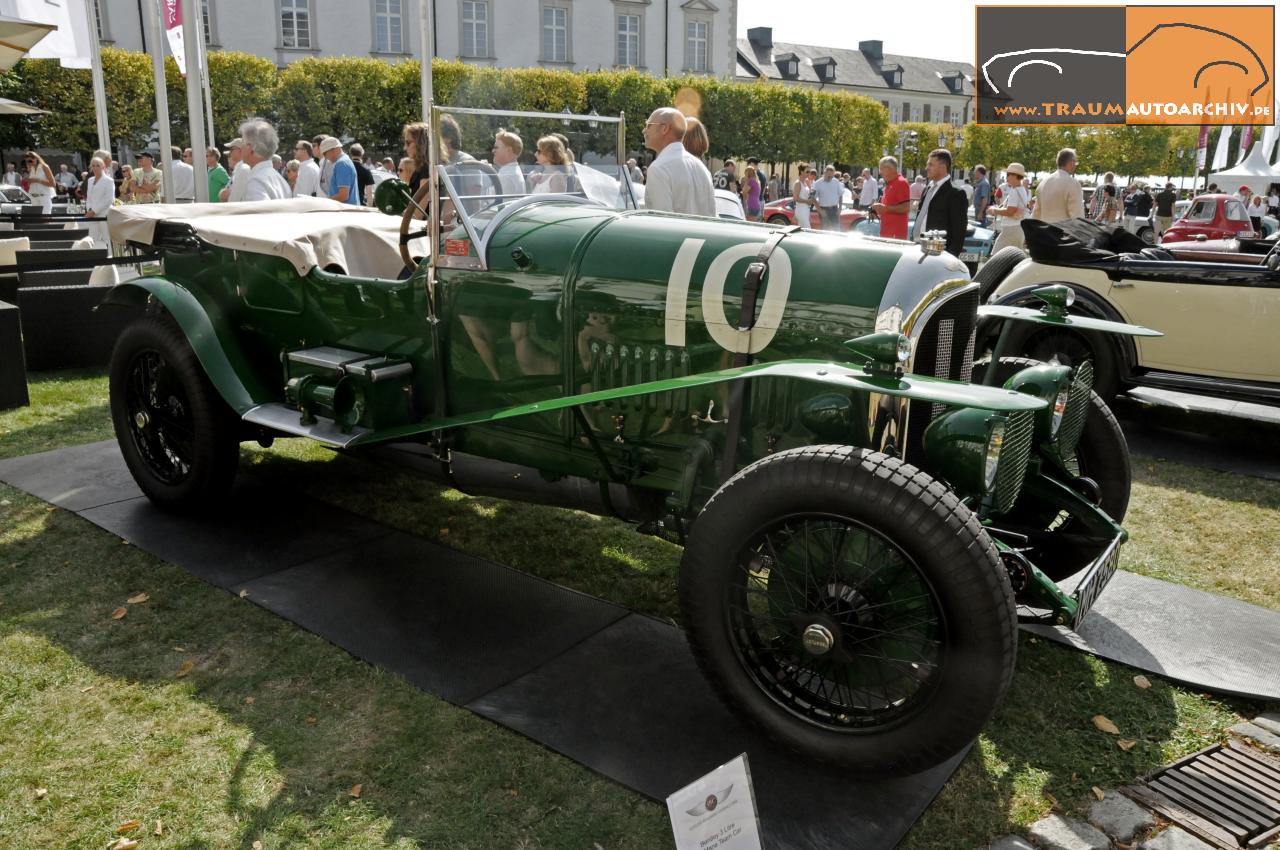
1219, 318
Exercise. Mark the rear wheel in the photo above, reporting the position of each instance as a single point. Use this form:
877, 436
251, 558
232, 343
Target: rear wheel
177, 435
848, 605
779, 219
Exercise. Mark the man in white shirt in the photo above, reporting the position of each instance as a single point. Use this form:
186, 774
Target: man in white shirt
308, 183
1014, 202
828, 191
1060, 197
677, 180
234, 191
260, 142
183, 177
507, 147
870, 190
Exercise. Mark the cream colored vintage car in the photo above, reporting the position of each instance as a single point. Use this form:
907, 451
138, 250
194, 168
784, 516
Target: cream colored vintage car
1219, 319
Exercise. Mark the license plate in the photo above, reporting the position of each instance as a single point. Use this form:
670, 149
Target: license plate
1099, 575
968, 258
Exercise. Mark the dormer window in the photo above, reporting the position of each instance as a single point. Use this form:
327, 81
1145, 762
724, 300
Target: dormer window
954, 82
892, 74
825, 68
788, 64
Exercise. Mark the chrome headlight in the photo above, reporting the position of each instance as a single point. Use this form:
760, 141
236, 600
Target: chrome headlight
991, 458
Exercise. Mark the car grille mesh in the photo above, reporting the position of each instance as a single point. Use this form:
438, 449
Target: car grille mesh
1077, 410
1018, 433
938, 355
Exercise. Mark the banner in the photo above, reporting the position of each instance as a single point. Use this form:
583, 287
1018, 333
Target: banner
172, 12
1202, 146
1270, 135
1223, 150
1246, 139
69, 43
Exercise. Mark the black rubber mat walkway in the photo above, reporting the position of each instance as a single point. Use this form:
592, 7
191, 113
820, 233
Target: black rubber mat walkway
615, 691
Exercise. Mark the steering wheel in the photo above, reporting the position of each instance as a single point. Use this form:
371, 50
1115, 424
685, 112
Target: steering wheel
415, 205
424, 190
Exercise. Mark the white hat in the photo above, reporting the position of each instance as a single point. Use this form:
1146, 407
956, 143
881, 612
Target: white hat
329, 143
1016, 168
237, 142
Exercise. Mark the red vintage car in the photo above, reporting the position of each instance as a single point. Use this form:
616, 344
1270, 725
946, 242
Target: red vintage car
784, 212
1211, 217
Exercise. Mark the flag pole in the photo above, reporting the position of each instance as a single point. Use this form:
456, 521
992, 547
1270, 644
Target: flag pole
197, 62
99, 86
152, 16
425, 24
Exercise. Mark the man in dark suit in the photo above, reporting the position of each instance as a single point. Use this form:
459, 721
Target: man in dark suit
942, 206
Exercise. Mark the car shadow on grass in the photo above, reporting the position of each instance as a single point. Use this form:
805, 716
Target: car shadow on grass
231, 725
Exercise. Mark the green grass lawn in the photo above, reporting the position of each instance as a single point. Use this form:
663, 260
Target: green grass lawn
229, 726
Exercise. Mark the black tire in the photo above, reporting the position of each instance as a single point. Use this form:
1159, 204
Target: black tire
1102, 453
1072, 347
930, 547
996, 269
779, 219
1147, 235
178, 437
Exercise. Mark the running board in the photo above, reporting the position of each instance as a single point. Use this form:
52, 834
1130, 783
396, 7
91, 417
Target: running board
1200, 384
278, 417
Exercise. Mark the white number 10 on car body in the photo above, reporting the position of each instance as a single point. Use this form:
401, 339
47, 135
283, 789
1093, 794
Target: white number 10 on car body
724, 332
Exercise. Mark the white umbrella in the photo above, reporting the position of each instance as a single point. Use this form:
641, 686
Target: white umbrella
13, 107
17, 37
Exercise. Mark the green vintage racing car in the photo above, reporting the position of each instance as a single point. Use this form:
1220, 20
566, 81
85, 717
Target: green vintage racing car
862, 525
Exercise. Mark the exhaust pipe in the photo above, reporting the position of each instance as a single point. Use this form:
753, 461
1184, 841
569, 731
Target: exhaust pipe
477, 476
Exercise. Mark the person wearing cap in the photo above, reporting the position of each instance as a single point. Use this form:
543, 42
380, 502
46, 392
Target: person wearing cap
148, 182
344, 185
308, 183
239, 184
260, 143
218, 176
1164, 208
1012, 210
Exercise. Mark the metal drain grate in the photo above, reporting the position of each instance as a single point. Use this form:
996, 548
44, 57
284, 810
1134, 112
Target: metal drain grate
1229, 795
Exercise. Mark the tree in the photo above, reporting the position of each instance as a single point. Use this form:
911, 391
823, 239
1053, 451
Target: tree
67, 95
337, 96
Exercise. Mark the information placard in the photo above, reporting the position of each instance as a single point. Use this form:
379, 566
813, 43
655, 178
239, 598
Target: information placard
718, 811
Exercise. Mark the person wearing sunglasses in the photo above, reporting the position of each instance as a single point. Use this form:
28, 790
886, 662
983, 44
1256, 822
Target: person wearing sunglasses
40, 184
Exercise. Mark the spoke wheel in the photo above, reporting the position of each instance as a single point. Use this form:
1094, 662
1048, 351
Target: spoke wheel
178, 437
836, 624
159, 417
850, 607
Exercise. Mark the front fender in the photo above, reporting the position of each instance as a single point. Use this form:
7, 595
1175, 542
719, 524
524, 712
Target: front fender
208, 332
1093, 313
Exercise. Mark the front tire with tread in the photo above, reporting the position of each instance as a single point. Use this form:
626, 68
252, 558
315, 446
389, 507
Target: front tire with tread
943, 550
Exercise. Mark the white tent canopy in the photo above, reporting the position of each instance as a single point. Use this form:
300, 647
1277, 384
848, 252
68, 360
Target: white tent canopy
1255, 172
17, 37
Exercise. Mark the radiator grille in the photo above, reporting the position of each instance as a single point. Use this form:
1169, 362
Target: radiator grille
1077, 410
943, 350
1018, 433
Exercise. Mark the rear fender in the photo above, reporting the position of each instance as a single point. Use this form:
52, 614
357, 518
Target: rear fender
208, 332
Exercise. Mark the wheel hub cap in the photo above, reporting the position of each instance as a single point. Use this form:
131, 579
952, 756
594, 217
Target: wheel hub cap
818, 639
141, 419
